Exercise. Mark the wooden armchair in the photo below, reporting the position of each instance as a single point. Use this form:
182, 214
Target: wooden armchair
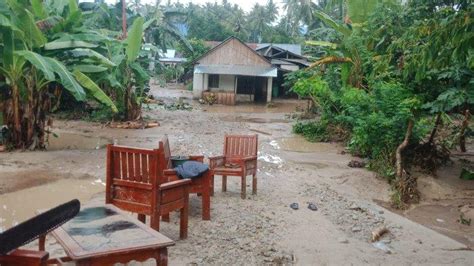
25, 257
201, 185
239, 159
135, 183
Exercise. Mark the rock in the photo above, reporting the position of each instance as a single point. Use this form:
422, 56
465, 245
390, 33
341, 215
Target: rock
354, 217
381, 212
356, 229
356, 164
343, 241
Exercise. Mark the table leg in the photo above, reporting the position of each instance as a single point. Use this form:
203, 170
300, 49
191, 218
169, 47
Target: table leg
42, 242
162, 259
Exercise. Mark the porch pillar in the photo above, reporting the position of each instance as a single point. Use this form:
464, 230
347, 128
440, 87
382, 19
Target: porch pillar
269, 89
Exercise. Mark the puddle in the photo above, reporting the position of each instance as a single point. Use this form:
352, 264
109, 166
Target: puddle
441, 217
71, 141
21, 205
299, 144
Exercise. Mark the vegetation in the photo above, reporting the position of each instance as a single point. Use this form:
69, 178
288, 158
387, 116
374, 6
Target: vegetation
385, 75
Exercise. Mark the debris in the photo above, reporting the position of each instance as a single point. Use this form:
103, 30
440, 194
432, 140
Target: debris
209, 99
2, 148
312, 206
134, 124
356, 229
378, 233
179, 105
294, 206
382, 246
439, 220
467, 174
261, 132
463, 220
354, 207
356, 164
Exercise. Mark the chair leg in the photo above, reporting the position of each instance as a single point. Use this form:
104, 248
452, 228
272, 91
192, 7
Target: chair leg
183, 222
162, 258
155, 221
224, 183
142, 218
206, 203
244, 187
165, 217
254, 184
212, 185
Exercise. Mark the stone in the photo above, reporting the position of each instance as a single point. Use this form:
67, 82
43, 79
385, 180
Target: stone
343, 241
356, 229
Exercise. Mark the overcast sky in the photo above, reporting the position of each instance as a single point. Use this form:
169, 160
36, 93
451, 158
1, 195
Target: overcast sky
245, 4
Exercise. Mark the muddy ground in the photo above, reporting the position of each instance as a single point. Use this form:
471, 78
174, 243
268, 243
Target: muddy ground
263, 228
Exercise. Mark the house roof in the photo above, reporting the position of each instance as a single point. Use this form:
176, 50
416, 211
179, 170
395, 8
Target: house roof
293, 48
258, 71
226, 41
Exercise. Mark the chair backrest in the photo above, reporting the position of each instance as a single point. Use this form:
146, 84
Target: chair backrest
164, 145
237, 146
133, 177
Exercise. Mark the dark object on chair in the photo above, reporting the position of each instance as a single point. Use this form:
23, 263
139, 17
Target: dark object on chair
239, 159
191, 169
135, 183
32, 229
202, 185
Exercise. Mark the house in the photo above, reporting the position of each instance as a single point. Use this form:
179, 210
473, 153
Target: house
287, 58
234, 72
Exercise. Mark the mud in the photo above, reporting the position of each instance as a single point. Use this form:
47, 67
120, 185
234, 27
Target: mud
74, 141
261, 229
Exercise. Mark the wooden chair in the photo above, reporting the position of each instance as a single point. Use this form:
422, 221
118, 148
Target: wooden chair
135, 183
239, 159
201, 185
25, 257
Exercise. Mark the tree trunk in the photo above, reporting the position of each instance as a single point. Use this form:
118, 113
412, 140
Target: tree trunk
462, 137
435, 128
401, 147
16, 112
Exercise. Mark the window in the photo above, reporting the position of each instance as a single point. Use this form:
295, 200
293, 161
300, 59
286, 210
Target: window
213, 81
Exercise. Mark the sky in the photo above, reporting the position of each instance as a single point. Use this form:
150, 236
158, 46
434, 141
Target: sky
246, 5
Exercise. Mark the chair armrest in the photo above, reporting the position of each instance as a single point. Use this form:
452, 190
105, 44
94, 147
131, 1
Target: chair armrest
170, 175
249, 158
25, 257
173, 184
216, 161
197, 158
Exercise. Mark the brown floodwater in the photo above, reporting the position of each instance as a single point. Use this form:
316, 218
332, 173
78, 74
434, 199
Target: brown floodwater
72, 141
299, 144
21, 205
286, 106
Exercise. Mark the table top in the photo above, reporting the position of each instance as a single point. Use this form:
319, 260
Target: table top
100, 230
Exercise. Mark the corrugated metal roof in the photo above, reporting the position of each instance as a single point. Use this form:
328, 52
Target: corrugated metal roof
237, 70
294, 48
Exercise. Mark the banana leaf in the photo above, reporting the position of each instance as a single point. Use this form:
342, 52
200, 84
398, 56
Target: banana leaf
55, 45
89, 68
332, 23
322, 43
39, 62
94, 90
134, 39
84, 52
67, 79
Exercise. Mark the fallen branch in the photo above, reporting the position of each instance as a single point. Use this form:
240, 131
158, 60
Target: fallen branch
465, 124
378, 233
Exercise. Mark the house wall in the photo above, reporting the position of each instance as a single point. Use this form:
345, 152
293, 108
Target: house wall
233, 53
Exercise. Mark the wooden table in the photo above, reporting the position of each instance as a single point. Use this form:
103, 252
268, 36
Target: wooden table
104, 235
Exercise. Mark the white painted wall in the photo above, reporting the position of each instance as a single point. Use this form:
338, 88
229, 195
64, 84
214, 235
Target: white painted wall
198, 82
269, 89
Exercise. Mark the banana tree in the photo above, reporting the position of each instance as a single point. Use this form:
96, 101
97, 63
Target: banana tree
29, 74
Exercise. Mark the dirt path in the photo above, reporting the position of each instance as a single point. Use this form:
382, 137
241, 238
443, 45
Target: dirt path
260, 229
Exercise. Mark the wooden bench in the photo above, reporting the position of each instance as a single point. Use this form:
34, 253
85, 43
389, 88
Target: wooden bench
201, 185
135, 183
239, 159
